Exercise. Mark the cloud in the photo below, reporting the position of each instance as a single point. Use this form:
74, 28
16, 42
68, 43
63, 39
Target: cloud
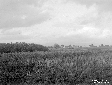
87, 32
11, 35
21, 13
91, 33
103, 5
51, 21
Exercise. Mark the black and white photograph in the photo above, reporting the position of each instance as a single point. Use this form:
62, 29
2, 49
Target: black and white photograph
55, 42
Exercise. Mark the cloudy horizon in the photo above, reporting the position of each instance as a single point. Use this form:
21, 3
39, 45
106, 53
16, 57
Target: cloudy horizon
46, 22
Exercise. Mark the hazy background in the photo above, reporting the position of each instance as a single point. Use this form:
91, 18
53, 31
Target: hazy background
78, 22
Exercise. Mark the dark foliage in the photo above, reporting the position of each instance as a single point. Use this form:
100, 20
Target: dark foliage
21, 47
49, 68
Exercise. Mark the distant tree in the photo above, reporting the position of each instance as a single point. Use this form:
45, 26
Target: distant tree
102, 45
91, 45
21, 47
62, 46
70, 46
56, 46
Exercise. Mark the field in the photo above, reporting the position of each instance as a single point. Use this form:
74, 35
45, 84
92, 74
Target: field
84, 66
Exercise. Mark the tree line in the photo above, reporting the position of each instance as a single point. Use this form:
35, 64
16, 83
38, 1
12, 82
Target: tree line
21, 47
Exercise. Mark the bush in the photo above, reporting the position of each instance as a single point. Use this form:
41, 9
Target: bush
21, 47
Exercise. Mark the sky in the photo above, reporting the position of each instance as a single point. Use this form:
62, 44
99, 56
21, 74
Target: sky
46, 22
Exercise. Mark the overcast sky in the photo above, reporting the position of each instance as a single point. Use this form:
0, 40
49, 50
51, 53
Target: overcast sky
78, 22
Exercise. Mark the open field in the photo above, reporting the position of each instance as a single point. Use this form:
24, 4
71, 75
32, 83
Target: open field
79, 67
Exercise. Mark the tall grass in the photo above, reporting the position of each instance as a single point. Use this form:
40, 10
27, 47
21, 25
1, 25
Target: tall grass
56, 68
